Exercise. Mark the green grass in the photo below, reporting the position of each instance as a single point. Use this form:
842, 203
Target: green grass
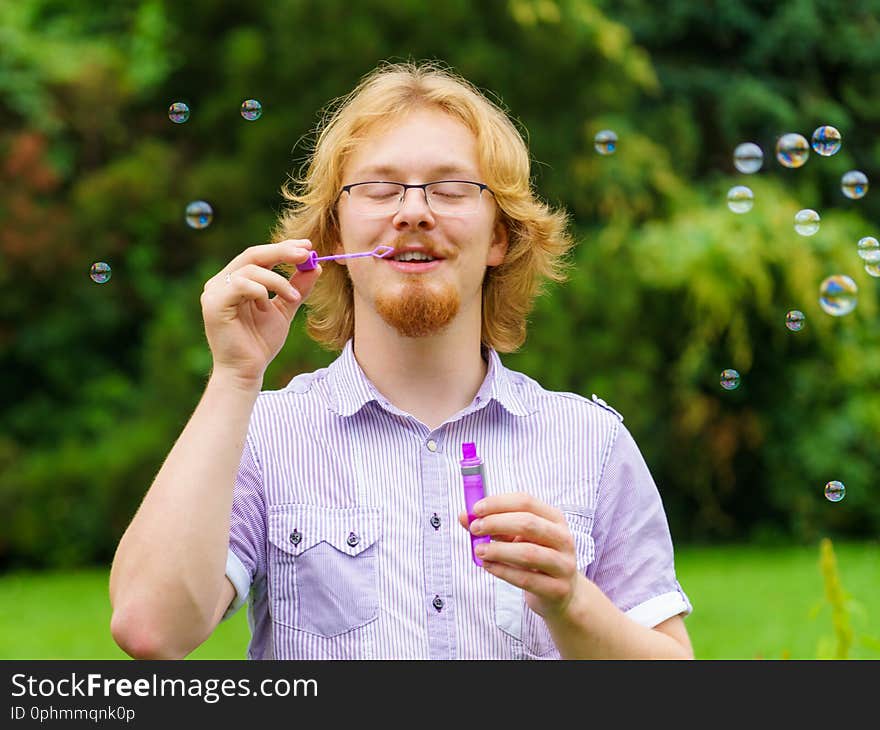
749, 603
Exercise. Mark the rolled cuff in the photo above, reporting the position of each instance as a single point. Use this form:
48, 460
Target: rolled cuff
241, 579
659, 608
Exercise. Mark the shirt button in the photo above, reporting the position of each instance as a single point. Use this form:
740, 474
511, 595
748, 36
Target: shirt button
432, 445
353, 539
295, 537
438, 603
435, 522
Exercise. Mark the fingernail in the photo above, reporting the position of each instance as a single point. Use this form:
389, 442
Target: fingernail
478, 507
480, 550
295, 294
476, 527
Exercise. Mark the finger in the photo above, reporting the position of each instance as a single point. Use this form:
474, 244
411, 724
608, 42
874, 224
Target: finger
526, 526
528, 556
268, 255
539, 584
272, 281
241, 289
463, 521
517, 502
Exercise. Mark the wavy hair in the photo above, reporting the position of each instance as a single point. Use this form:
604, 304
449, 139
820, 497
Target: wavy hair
538, 238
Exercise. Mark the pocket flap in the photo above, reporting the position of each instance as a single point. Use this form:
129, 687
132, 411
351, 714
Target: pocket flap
294, 528
580, 522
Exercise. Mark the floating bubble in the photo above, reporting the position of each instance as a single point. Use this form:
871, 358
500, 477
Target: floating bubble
869, 249
100, 272
854, 184
838, 295
729, 379
873, 270
792, 150
199, 214
835, 491
251, 109
178, 112
740, 199
826, 141
806, 222
795, 320
605, 142
748, 157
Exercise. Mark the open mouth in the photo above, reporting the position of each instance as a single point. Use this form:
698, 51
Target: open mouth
415, 266
414, 261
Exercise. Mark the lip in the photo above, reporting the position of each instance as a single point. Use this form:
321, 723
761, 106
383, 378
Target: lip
415, 267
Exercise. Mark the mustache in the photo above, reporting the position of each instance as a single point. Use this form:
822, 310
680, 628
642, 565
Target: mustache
404, 240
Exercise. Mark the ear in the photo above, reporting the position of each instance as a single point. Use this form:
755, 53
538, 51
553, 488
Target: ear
498, 247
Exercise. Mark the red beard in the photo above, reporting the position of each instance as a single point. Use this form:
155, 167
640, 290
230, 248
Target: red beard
419, 310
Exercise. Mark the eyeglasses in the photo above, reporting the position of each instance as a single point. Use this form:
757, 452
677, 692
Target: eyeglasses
444, 197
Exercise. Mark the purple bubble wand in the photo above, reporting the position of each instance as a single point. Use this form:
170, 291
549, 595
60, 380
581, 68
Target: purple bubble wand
313, 259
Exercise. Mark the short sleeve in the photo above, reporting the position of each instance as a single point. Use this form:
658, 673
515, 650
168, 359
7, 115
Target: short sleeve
634, 563
245, 561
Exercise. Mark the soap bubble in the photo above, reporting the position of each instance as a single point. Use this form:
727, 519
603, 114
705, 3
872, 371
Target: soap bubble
806, 222
748, 157
854, 184
729, 379
100, 272
869, 249
605, 142
838, 295
792, 150
873, 270
251, 109
178, 112
835, 491
795, 320
199, 214
740, 199
826, 141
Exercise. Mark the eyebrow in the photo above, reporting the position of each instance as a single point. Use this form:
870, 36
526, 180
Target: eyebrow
391, 171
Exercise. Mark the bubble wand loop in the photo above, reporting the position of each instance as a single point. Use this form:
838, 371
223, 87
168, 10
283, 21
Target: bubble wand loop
313, 259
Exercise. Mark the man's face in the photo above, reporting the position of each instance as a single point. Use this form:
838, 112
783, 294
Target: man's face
419, 300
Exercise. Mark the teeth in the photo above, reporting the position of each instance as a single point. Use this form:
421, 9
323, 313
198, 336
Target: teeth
413, 256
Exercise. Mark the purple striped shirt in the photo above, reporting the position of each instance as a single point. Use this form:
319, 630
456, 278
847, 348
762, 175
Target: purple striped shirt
345, 533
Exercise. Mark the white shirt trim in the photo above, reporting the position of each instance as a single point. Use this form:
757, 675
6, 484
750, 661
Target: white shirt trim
659, 608
241, 579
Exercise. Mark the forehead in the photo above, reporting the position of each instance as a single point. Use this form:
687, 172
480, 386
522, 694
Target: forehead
422, 144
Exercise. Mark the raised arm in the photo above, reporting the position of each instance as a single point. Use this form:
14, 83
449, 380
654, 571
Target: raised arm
168, 587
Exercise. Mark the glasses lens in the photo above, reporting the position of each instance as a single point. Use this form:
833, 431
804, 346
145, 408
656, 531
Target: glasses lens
384, 198
453, 197
376, 198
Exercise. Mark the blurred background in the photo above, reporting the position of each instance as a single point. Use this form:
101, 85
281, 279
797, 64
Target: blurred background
669, 287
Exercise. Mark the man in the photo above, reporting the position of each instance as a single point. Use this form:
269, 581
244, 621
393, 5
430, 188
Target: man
331, 503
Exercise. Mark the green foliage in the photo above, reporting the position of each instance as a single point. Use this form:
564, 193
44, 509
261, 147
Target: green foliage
669, 288
838, 600
842, 608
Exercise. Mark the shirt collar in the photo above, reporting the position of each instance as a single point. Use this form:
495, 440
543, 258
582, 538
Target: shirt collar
351, 390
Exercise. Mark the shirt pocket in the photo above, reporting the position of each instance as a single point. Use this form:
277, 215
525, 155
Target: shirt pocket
322, 567
537, 641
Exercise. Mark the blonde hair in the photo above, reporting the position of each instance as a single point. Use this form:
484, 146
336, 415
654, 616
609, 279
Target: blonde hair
538, 240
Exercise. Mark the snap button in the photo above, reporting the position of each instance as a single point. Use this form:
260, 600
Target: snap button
295, 537
353, 539
435, 522
432, 445
438, 603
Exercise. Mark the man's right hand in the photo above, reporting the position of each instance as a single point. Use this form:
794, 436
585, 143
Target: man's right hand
245, 328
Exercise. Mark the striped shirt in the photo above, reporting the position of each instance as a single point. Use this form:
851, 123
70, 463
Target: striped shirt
345, 536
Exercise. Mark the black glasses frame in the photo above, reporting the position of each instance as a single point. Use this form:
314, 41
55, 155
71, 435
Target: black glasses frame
407, 186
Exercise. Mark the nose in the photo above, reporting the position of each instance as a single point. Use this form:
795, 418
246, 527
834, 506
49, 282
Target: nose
414, 211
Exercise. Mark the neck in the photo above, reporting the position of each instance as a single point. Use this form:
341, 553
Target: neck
432, 377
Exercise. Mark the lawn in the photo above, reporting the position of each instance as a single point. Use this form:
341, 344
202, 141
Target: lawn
749, 603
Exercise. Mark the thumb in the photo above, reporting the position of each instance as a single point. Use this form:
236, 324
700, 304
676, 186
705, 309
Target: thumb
303, 281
